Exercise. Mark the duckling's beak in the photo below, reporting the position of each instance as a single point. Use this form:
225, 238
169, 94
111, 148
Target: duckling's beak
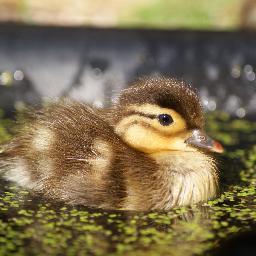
201, 140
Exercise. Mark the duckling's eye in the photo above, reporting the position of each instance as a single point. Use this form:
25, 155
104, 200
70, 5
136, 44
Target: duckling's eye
165, 119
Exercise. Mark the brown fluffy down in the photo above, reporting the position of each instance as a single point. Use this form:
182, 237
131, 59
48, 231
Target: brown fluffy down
71, 152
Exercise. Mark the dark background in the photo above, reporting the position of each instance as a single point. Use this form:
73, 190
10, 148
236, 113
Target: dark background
94, 64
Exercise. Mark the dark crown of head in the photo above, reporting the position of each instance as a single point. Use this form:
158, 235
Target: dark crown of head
167, 93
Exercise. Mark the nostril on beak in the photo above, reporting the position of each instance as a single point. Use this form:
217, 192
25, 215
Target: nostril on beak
201, 140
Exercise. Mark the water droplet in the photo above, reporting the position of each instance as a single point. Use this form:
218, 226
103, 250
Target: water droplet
18, 75
248, 68
232, 103
6, 79
236, 71
205, 102
208, 104
250, 76
212, 105
240, 112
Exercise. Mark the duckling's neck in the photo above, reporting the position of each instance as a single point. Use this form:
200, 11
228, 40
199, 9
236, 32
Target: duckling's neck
191, 178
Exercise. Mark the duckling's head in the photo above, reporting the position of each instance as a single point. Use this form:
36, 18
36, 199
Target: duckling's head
161, 114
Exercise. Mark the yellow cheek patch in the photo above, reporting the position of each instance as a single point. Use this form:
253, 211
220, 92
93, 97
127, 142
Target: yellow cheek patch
143, 131
148, 141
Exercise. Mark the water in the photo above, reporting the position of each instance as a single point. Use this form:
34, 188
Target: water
31, 226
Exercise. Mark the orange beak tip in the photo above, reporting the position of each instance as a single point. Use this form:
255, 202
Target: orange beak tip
217, 147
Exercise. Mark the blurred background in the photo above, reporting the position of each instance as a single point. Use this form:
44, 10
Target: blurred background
89, 50
197, 14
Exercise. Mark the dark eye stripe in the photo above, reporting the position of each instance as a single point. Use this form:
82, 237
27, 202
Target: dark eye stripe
147, 115
141, 114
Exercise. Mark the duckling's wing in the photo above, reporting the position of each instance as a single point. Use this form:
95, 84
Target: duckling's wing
61, 141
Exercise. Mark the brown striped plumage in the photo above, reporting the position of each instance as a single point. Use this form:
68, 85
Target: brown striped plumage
116, 158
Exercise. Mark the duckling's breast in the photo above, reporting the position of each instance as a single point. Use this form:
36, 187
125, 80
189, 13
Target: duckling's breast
189, 178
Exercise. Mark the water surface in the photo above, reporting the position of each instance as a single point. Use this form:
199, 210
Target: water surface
31, 226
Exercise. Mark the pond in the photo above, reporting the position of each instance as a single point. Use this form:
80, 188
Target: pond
31, 226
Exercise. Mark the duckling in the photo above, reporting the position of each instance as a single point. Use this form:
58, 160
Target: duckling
146, 152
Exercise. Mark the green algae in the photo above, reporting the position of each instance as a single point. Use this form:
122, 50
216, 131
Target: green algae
32, 226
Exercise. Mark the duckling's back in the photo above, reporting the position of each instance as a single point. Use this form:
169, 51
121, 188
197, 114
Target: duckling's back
65, 152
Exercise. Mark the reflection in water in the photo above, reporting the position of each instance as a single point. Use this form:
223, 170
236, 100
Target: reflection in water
48, 228
242, 244
31, 226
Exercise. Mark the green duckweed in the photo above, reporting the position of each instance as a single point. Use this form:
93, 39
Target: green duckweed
31, 226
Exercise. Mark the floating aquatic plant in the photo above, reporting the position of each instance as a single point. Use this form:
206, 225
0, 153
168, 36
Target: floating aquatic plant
32, 226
